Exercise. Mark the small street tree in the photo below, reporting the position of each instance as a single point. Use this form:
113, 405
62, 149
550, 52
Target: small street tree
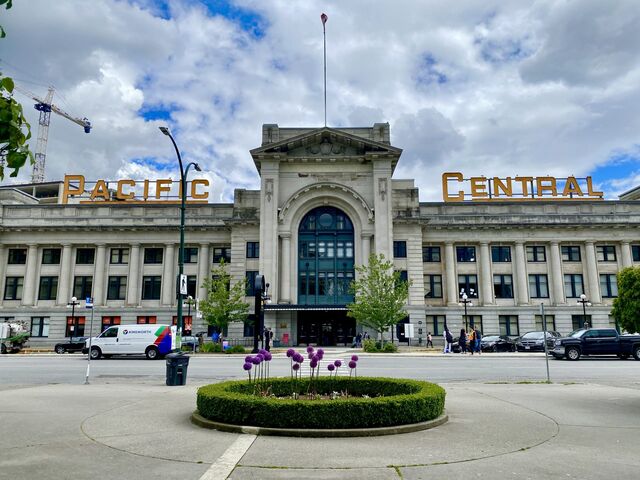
224, 302
626, 307
380, 295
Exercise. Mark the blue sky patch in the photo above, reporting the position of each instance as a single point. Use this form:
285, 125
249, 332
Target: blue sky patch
429, 72
155, 163
248, 20
619, 167
155, 112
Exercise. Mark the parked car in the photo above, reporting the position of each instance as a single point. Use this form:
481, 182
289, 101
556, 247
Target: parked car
497, 343
191, 343
597, 341
75, 344
532, 341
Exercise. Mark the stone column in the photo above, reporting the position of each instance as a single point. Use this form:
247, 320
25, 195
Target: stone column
98, 281
204, 269
64, 281
168, 274
285, 272
486, 282
450, 274
593, 281
625, 254
30, 288
366, 247
133, 298
522, 291
557, 282
4, 262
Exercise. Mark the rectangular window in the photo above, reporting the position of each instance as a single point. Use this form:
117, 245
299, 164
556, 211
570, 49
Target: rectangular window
578, 322
75, 327
551, 322
39, 326
431, 254
500, 254
253, 249
119, 256
146, 320
187, 323
466, 254
536, 253
573, 285
433, 286
17, 256
249, 324
606, 253
468, 283
221, 253
609, 285
191, 255
635, 253
152, 255
400, 249
570, 253
117, 288
82, 287
192, 286
251, 281
13, 288
435, 324
48, 288
85, 256
509, 325
474, 321
50, 256
109, 322
404, 276
538, 286
151, 287
503, 286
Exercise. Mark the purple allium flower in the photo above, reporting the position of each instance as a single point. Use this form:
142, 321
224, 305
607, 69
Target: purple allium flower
309, 349
268, 356
352, 364
313, 363
291, 352
262, 351
296, 366
311, 355
331, 367
354, 358
247, 359
260, 356
320, 351
247, 366
338, 363
297, 357
320, 355
256, 360
315, 357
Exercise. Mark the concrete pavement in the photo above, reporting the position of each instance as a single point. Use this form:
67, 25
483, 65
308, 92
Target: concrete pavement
128, 430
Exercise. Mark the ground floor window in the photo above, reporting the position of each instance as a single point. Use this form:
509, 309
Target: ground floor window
109, 322
551, 322
435, 324
473, 321
39, 326
75, 327
145, 320
187, 323
509, 325
579, 321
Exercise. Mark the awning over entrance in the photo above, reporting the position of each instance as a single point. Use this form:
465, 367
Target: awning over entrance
290, 307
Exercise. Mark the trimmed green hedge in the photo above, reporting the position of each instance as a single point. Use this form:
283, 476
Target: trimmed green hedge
392, 402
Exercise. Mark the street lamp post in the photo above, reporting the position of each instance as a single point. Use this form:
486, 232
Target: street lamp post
585, 303
465, 300
74, 301
183, 195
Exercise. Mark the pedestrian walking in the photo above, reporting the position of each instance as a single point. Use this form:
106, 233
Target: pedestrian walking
478, 336
462, 341
429, 340
358, 340
268, 337
448, 340
472, 340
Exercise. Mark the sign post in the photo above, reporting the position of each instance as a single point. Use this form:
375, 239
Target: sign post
89, 304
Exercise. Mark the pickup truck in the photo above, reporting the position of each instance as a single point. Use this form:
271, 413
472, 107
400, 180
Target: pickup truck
597, 341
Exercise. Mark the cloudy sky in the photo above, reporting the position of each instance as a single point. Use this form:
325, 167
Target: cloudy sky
492, 87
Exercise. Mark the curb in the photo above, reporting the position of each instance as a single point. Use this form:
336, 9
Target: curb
199, 420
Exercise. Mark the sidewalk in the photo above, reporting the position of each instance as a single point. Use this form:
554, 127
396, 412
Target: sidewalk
136, 431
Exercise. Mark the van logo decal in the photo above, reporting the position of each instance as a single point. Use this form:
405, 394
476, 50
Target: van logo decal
124, 332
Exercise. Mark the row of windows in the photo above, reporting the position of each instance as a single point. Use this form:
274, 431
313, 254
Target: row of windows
120, 256
538, 285
502, 254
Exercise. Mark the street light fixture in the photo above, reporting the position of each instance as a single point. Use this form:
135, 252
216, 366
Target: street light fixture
585, 303
464, 300
183, 195
74, 301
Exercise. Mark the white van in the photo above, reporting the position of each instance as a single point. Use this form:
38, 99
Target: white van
151, 340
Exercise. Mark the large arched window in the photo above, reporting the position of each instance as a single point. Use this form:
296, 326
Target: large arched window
325, 257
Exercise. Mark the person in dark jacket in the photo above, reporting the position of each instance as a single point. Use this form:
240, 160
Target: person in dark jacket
462, 341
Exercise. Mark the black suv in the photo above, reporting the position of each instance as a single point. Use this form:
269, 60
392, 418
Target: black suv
76, 344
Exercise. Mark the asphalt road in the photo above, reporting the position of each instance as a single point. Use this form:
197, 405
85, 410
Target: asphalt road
71, 369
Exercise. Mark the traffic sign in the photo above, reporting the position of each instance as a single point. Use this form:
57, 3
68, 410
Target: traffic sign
183, 284
88, 303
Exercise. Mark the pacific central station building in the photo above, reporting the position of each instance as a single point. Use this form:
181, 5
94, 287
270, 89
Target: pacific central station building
327, 200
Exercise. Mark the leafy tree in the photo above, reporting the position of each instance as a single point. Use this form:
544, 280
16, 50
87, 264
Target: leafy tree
626, 307
380, 295
224, 303
14, 129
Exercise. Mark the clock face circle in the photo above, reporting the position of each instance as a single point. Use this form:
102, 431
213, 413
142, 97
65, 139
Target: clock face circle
325, 220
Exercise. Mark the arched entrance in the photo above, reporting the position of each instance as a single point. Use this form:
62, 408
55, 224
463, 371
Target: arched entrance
325, 272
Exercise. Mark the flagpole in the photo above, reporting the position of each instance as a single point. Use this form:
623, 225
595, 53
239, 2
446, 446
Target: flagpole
324, 18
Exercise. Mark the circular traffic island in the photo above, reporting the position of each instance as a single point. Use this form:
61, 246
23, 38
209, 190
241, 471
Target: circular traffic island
324, 407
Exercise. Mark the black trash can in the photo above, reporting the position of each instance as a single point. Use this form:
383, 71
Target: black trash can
177, 365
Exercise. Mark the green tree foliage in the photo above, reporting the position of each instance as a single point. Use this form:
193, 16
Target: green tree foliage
224, 303
380, 295
626, 307
14, 129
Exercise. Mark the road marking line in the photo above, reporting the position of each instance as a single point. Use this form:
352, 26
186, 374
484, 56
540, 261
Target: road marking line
223, 467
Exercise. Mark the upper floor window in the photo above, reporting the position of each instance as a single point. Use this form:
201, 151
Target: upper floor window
13, 288
82, 286
117, 289
191, 255
221, 253
404, 276
17, 256
151, 287
606, 253
253, 249
152, 255
570, 253
119, 256
50, 256
431, 254
536, 253
251, 282
85, 256
609, 285
48, 288
503, 286
538, 286
433, 286
466, 254
573, 285
400, 249
468, 284
635, 252
192, 286
500, 254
